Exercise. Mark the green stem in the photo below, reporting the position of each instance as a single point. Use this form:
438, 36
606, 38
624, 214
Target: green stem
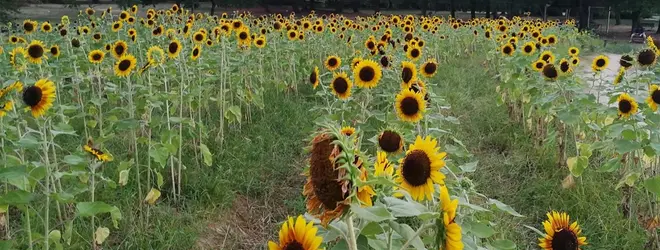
47, 186
419, 231
352, 241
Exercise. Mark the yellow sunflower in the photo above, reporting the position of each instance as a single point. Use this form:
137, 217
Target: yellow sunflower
575, 61
565, 66
173, 49
35, 52
96, 56
547, 56
627, 105
260, 42
382, 167
429, 68
367, 74
297, 235
452, 231
332, 62
619, 76
529, 48
314, 77
347, 131
155, 55
116, 26
538, 65
29, 26
119, 49
6, 107
98, 154
573, 51
507, 49
199, 37
559, 234
414, 53
17, 58
39, 97
410, 106
408, 74
341, 85
600, 63
420, 169
46, 27
124, 65
355, 62
365, 192
654, 97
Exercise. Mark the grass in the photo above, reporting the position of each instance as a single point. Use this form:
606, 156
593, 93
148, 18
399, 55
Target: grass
514, 171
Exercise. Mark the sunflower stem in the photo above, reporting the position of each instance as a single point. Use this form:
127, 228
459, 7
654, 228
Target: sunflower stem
352, 242
46, 148
419, 231
169, 141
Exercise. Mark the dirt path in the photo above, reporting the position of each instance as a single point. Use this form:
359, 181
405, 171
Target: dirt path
592, 84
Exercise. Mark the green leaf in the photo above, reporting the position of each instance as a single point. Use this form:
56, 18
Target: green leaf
62, 129
479, 229
87, 209
16, 197
159, 180
372, 228
55, 235
126, 124
13, 161
123, 177
28, 142
12, 173
403, 208
503, 244
68, 231
505, 207
407, 233
653, 185
624, 146
577, 165
206, 154
160, 155
585, 149
233, 114
74, 160
611, 165
629, 179
92, 123
469, 167
373, 213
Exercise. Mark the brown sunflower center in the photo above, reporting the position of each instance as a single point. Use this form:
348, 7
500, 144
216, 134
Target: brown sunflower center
340, 85
384, 61
260, 42
116, 26
656, 96
292, 34
551, 40
389, 141
625, 106
54, 50
545, 57
550, 71
564, 67
416, 168
124, 65
32, 96
97, 36
312, 77
119, 50
199, 37
430, 68
75, 43
646, 57
28, 26
35, 51
409, 106
173, 47
625, 61
600, 62
332, 62
573, 51
294, 245
564, 240
414, 53
96, 57
243, 35
46, 27
195, 52
367, 74
406, 74
528, 49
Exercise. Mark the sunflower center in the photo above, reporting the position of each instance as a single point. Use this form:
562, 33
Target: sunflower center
545, 57
312, 77
199, 37
35, 51
260, 42
564, 67
340, 85
292, 34
430, 68
124, 65
625, 106
53, 50
195, 52
28, 26
116, 26
646, 57
573, 51
625, 61
384, 61
528, 49
173, 48
406, 74
564, 240
656, 96
119, 50
243, 36
96, 57
409, 106
600, 62
32, 96
414, 53
549, 71
294, 245
389, 141
332, 62
416, 168
539, 65
367, 74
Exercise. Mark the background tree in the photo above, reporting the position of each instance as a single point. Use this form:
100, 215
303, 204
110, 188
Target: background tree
9, 9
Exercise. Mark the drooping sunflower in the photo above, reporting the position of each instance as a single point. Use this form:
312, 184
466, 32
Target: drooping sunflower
367, 74
429, 68
385, 61
573, 51
29, 26
408, 74
119, 49
155, 55
654, 97
96, 56
646, 57
452, 238
619, 76
347, 130
6, 107
333, 62
297, 235
173, 49
196, 52
124, 65
17, 58
414, 53
39, 97
116, 26
364, 193
341, 85
600, 63
626, 61
382, 167
314, 77
507, 49
529, 48
325, 191
390, 141
410, 106
549, 71
627, 105
35, 52
420, 168
565, 66
98, 154
547, 56
559, 234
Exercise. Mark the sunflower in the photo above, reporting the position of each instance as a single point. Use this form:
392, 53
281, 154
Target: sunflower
410, 105
173, 49
390, 141
39, 97
429, 68
119, 49
332, 62
565, 66
385, 61
626, 105
452, 231
199, 37
260, 42
600, 63
507, 49
341, 85
414, 53
116, 26
626, 61
123, 15
155, 55
6, 107
13, 39
347, 131
89, 11
408, 74
299, 235
573, 51
654, 97
46, 27
552, 39
325, 191
365, 192
547, 56
575, 61
646, 57
29, 26
96, 56
619, 76
55, 50
17, 58
529, 48
98, 154
35, 52
382, 167
420, 169
355, 62
124, 65
559, 234
367, 74
195, 53
314, 77
549, 71
292, 35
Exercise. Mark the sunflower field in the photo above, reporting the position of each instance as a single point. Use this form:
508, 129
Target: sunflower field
139, 104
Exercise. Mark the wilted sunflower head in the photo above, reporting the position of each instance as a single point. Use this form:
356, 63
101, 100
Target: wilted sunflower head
646, 57
626, 61
385, 61
550, 72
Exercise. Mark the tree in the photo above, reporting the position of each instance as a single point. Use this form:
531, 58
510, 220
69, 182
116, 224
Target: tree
452, 7
9, 8
355, 5
583, 6
487, 8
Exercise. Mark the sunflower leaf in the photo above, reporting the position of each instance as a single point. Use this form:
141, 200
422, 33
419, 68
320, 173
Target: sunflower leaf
479, 229
505, 207
541, 234
206, 154
653, 185
375, 213
503, 244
